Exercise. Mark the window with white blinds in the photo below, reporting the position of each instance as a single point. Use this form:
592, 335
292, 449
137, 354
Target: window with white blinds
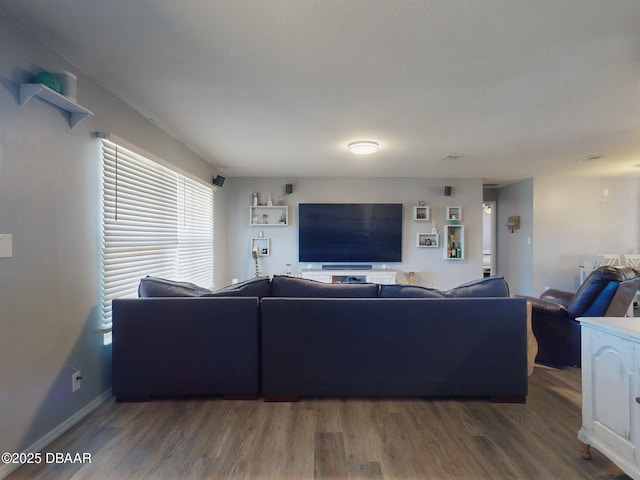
155, 221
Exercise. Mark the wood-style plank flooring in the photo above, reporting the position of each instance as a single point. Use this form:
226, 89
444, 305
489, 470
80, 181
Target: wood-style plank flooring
354, 438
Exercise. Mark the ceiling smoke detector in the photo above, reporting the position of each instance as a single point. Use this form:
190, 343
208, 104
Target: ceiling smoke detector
592, 157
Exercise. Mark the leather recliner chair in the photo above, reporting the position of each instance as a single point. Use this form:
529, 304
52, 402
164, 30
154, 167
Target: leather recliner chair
606, 292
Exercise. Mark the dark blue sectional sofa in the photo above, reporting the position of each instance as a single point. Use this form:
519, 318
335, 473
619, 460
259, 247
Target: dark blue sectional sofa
288, 337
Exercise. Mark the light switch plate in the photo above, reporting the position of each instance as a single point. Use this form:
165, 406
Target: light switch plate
6, 245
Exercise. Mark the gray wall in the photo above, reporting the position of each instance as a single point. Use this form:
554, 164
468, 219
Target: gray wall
433, 269
574, 218
514, 258
49, 202
562, 220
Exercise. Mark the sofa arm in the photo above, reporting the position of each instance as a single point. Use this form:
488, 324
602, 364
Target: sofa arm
185, 346
558, 296
547, 307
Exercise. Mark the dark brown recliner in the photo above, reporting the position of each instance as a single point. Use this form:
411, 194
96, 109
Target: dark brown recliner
606, 292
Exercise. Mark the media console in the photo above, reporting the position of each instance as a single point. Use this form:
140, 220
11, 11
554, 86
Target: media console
351, 276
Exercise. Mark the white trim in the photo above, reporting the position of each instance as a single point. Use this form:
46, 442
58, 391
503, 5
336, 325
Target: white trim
49, 437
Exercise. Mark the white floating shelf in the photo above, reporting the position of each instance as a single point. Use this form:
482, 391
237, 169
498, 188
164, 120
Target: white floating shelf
76, 112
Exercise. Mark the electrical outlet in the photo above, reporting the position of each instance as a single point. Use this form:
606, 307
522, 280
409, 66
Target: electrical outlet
76, 381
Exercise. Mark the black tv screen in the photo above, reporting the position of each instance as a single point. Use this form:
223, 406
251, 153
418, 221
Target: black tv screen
350, 232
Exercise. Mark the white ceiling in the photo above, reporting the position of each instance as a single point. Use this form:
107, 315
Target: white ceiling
518, 88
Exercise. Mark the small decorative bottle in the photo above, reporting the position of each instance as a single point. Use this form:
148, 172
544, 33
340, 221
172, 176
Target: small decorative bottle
255, 199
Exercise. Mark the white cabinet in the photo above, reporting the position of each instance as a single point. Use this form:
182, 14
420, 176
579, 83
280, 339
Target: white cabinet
353, 276
611, 390
269, 216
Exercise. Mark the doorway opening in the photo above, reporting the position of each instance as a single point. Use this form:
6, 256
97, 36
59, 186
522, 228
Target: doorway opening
488, 238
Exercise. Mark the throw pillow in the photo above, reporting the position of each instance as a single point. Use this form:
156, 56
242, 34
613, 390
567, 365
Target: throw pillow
286, 286
409, 291
161, 287
254, 287
483, 287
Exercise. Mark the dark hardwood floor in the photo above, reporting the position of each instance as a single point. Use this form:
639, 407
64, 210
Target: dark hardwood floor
354, 438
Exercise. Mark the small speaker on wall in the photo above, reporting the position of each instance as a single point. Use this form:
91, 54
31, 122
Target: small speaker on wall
218, 180
288, 188
447, 191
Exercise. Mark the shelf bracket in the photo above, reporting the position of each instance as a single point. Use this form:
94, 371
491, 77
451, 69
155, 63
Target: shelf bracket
76, 112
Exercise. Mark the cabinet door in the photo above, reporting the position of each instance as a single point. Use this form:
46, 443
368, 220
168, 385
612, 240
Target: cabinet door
609, 401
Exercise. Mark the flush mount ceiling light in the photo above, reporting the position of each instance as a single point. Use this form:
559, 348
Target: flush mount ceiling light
363, 147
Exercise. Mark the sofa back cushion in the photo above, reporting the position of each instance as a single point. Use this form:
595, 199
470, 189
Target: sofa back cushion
161, 287
286, 286
254, 287
410, 291
483, 287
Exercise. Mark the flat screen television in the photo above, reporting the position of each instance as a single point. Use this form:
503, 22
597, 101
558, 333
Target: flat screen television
350, 232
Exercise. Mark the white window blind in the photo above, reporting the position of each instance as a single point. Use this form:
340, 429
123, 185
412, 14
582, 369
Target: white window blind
155, 221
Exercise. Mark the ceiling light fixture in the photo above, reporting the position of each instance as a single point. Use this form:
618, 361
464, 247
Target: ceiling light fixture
363, 147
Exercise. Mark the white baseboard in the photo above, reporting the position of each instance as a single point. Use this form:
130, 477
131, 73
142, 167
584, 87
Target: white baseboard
49, 437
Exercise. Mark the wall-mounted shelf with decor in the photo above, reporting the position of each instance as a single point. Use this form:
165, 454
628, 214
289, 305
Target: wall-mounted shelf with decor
76, 112
427, 240
277, 215
454, 238
262, 245
454, 214
421, 213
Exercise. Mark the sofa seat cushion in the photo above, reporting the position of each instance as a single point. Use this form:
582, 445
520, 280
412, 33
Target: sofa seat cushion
483, 287
410, 291
293, 287
254, 287
161, 287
